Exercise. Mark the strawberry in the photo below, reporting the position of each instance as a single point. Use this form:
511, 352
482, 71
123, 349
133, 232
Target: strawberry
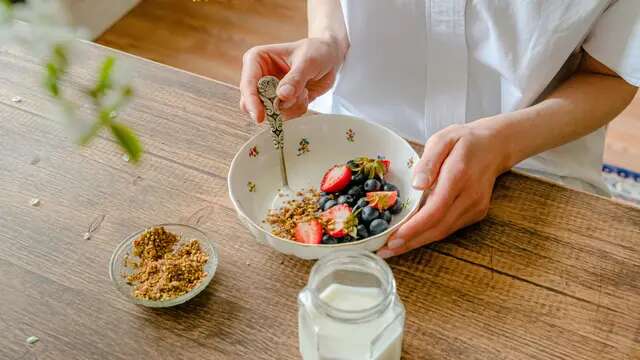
387, 164
309, 232
370, 167
382, 200
336, 179
340, 221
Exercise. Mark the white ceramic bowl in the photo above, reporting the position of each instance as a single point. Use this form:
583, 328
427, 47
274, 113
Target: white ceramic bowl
313, 144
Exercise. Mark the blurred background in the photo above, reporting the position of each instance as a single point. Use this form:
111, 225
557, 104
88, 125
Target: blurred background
208, 37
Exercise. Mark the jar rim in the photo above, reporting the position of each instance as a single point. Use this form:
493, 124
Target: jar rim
360, 315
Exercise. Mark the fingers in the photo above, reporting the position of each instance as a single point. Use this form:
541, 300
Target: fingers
428, 235
439, 202
303, 69
436, 150
296, 107
251, 73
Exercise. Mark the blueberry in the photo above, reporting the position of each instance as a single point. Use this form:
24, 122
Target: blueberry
362, 203
358, 178
329, 240
346, 239
391, 187
363, 233
357, 191
371, 185
396, 208
329, 204
323, 200
369, 214
346, 199
378, 226
386, 216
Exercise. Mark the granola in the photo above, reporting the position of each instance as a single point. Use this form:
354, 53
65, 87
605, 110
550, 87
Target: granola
163, 269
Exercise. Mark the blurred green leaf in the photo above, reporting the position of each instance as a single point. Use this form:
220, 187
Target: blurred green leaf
60, 58
128, 140
93, 131
104, 78
51, 80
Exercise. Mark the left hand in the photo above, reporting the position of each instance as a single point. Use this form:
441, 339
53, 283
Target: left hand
459, 165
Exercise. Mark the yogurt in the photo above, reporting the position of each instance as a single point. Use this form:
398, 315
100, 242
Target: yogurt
323, 336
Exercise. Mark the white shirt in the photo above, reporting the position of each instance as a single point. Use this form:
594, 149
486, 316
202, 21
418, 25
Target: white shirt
419, 66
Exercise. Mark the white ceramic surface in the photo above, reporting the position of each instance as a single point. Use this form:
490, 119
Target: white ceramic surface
254, 176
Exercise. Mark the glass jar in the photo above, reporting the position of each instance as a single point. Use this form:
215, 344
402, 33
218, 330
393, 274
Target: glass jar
350, 309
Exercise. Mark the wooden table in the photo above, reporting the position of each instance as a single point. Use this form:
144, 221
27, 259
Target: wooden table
550, 274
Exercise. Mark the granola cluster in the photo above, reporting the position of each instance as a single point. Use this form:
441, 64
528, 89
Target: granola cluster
283, 221
164, 272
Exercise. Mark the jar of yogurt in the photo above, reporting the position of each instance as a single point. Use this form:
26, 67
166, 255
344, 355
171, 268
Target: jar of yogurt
350, 310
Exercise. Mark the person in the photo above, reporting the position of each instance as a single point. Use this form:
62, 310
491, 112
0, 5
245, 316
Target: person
486, 85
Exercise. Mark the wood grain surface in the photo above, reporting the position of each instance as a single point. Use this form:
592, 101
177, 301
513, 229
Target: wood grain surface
550, 274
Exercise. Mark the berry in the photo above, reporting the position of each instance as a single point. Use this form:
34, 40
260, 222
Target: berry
363, 233
371, 185
336, 179
347, 239
329, 240
390, 187
382, 200
340, 221
357, 191
329, 204
346, 199
323, 200
309, 232
386, 216
378, 226
358, 178
371, 168
369, 214
361, 204
397, 208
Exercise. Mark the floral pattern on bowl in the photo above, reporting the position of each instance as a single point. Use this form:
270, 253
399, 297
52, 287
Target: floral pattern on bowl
333, 139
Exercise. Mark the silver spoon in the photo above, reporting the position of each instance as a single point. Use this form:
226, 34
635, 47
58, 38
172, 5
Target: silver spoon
267, 86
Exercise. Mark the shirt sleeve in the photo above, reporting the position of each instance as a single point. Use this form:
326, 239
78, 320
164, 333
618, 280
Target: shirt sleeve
615, 39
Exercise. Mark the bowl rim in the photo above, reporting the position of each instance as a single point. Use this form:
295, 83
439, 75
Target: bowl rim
213, 258
306, 117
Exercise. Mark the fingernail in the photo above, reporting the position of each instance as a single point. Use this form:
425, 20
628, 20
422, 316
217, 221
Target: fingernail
385, 254
420, 181
395, 243
286, 90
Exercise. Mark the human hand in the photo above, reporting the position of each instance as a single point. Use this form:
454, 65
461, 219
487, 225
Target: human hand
459, 165
307, 69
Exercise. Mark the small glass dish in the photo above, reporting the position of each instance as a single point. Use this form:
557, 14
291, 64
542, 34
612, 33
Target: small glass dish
185, 233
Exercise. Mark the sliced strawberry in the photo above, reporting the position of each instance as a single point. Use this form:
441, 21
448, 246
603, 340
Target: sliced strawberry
309, 232
336, 179
340, 221
382, 200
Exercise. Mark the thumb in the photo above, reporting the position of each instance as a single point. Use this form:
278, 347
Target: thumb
295, 81
435, 152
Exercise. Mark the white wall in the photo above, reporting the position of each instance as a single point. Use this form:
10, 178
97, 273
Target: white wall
98, 15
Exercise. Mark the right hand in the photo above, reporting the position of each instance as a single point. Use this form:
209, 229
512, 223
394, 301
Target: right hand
307, 69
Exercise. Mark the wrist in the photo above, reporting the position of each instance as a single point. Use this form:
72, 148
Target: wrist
338, 42
501, 137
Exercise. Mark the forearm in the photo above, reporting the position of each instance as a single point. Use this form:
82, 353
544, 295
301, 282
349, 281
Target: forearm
581, 105
326, 20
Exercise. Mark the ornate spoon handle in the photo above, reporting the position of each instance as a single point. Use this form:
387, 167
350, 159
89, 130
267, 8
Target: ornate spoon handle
267, 86
267, 92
